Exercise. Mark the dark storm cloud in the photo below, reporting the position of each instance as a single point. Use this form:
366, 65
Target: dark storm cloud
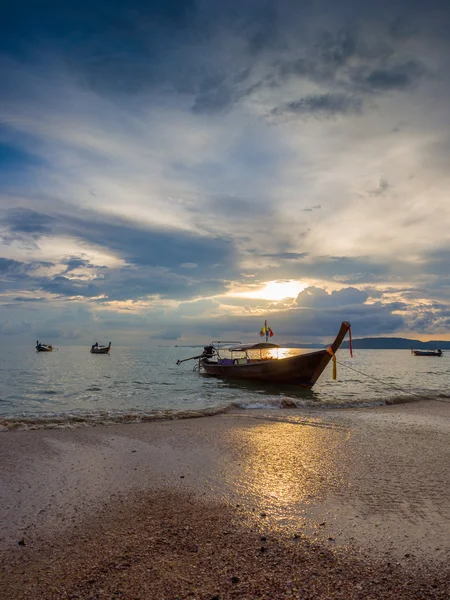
75, 262
135, 243
15, 268
213, 52
321, 106
398, 77
63, 286
7, 265
128, 284
156, 258
297, 324
324, 56
29, 222
348, 63
17, 276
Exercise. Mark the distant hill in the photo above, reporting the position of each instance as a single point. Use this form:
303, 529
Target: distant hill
371, 343
394, 343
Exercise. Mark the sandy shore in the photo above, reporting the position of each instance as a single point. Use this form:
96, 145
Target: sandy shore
256, 504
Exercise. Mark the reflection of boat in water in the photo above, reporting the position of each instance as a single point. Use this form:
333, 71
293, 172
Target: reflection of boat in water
43, 347
241, 363
266, 393
437, 352
96, 349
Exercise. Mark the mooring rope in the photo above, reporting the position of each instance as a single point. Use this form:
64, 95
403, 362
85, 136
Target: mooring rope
381, 380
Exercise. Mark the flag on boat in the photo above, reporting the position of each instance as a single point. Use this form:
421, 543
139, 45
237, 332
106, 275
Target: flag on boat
266, 330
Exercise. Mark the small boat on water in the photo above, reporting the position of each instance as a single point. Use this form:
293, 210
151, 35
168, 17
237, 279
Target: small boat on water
43, 347
302, 370
437, 352
96, 349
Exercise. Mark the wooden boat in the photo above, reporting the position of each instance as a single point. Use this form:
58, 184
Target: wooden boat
43, 347
96, 349
302, 370
437, 352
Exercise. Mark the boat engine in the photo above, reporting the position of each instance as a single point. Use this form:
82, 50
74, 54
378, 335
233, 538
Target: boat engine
208, 352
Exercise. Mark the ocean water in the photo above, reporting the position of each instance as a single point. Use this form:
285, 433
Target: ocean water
71, 387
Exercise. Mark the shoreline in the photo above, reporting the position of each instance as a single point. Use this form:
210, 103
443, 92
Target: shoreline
364, 485
101, 417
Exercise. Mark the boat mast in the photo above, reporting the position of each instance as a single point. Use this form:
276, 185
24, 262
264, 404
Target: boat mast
266, 330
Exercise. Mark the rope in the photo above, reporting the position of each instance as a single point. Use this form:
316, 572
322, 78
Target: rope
396, 387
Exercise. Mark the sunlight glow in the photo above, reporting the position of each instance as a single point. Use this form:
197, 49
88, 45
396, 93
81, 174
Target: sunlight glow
276, 290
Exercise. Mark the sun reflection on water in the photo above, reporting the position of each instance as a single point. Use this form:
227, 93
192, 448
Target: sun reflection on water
267, 353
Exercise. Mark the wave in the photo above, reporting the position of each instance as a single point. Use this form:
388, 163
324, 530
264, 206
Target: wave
334, 403
69, 420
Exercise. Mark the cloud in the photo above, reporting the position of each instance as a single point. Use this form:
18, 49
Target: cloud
381, 189
134, 242
156, 156
287, 255
398, 77
74, 262
321, 106
318, 298
28, 299
29, 222
155, 259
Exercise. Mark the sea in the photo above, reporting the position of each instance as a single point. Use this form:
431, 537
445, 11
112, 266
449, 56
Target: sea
70, 387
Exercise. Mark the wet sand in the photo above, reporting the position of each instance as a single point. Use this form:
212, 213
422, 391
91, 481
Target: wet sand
254, 504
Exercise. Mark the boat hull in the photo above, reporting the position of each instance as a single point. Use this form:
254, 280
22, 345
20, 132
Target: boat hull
99, 351
425, 353
302, 370
44, 349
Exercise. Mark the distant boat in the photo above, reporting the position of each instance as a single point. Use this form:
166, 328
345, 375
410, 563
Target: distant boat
43, 347
437, 352
302, 370
96, 349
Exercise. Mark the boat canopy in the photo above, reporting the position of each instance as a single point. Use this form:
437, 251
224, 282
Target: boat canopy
260, 346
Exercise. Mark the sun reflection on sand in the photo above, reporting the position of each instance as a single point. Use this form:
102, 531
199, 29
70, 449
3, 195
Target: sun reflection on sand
284, 466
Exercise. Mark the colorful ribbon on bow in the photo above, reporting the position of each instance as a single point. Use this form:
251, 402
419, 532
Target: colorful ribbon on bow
350, 341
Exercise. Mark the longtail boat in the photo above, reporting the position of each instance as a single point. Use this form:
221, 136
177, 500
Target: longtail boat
96, 349
43, 347
437, 352
302, 370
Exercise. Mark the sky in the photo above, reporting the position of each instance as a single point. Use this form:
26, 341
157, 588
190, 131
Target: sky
173, 172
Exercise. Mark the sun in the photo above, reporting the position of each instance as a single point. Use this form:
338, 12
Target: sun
276, 290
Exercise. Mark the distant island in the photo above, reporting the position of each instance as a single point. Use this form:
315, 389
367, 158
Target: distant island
383, 343
395, 343
370, 343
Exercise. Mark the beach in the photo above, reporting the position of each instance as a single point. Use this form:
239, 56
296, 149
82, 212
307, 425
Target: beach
345, 503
